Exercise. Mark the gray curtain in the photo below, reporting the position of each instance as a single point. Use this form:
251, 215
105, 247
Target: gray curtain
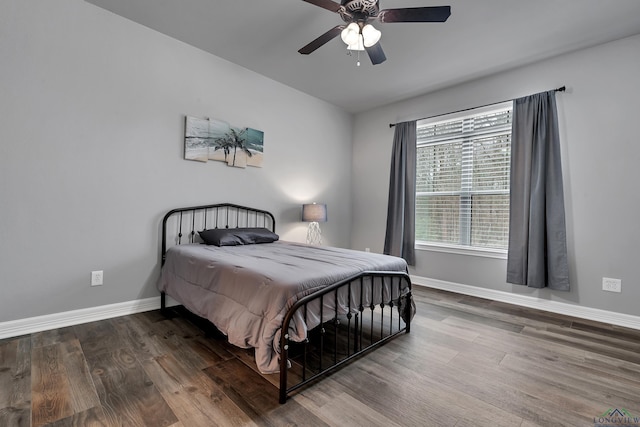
400, 235
537, 233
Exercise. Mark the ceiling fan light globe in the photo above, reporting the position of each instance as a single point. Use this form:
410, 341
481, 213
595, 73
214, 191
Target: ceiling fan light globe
351, 34
358, 45
370, 35
344, 35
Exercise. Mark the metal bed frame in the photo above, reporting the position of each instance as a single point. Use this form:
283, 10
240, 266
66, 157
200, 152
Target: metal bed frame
338, 339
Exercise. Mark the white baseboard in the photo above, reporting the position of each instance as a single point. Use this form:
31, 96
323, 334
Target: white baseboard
595, 314
31, 325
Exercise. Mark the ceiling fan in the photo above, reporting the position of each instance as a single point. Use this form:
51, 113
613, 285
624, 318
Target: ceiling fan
359, 34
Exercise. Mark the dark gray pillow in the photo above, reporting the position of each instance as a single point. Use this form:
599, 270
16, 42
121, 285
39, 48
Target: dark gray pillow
237, 236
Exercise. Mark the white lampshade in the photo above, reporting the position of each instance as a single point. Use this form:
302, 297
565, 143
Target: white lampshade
351, 34
370, 35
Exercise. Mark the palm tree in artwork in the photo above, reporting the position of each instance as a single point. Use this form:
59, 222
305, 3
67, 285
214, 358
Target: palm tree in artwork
238, 140
225, 144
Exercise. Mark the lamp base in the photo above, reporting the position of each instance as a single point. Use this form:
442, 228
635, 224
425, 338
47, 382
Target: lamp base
314, 235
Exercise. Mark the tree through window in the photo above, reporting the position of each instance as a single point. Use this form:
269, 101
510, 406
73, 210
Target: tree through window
462, 178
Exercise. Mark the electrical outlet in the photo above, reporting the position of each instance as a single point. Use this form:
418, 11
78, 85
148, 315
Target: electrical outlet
97, 277
611, 285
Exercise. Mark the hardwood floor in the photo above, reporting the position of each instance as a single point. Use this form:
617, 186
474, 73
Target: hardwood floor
466, 362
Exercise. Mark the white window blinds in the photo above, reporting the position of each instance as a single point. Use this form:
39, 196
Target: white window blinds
462, 178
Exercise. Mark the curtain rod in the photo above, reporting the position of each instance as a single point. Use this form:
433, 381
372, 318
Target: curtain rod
560, 89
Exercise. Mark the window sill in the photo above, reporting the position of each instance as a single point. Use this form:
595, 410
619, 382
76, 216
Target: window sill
462, 250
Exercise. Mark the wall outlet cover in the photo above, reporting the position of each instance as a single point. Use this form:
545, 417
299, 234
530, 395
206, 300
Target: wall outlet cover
97, 278
611, 285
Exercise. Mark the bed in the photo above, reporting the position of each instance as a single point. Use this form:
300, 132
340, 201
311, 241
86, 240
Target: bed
306, 310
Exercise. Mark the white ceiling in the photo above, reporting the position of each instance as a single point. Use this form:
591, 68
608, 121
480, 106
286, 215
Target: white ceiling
481, 37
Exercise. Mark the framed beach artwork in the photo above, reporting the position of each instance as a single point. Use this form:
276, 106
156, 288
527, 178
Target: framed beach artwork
210, 139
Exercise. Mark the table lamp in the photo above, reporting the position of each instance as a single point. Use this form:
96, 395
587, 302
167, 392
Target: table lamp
314, 213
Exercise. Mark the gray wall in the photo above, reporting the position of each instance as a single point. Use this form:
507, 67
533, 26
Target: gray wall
92, 109
601, 154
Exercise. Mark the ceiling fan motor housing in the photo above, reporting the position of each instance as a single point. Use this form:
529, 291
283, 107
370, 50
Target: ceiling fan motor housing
359, 9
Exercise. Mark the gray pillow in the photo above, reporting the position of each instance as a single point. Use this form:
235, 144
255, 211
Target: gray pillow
237, 236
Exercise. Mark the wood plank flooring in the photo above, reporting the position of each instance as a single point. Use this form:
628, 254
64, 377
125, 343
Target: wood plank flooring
467, 362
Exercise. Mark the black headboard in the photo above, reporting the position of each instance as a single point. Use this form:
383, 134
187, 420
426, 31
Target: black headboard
186, 222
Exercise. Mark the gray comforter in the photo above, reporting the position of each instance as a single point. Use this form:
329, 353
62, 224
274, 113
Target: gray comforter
246, 290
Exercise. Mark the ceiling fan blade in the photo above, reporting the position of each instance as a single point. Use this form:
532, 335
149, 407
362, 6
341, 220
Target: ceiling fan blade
325, 4
325, 38
415, 14
376, 54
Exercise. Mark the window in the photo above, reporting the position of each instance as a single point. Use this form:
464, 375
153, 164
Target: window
462, 179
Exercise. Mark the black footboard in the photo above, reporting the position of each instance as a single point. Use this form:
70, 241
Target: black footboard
354, 324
